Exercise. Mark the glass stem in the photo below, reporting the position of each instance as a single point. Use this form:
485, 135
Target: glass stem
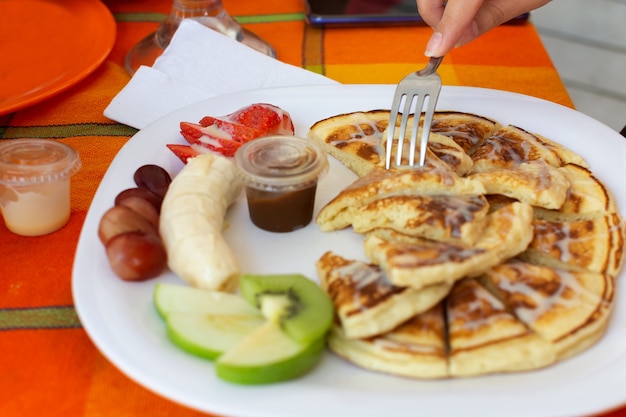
210, 13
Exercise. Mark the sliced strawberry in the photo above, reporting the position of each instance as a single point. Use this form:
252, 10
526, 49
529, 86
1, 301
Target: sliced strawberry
265, 117
183, 152
212, 138
191, 132
224, 147
218, 130
226, 134
208, 121
219, 135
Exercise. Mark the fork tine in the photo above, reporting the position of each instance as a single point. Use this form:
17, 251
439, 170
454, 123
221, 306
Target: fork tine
422, 85
406, 112
428, 120
416, 118
393, 116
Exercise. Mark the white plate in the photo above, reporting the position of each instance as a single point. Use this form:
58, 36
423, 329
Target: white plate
120, 319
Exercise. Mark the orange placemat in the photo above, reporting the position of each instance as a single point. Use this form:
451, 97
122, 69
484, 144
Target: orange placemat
48, 364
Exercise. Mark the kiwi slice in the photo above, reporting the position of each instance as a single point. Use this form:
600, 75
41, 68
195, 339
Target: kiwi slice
301, 308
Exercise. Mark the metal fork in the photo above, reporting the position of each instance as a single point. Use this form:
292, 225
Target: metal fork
419, 85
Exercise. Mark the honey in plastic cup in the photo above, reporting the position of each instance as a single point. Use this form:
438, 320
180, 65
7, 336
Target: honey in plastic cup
280, 174
35, 184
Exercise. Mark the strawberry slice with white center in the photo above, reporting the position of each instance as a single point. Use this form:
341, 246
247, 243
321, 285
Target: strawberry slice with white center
225, 135
184, 152
219, 136
263, 116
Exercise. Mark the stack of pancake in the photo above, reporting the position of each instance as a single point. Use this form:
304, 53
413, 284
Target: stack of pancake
499, 255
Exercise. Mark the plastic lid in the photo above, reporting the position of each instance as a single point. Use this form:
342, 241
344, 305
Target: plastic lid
36, 161
280, 163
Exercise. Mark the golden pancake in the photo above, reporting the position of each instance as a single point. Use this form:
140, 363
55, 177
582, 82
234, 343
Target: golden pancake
379, 183
497, 201
513, 230
510, 146
353, 138
535, 183
366, 303
440, 147
485, 338
441, 218
587, 197
415, 349
594, 245
466, 129
356, 139
565, 155
568, 309
420, 263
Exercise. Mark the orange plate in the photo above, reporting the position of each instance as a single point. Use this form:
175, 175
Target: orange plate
49, 45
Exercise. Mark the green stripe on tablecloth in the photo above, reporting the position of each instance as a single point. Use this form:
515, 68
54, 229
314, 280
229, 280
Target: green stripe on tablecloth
139, 17
66, 131
263, 18
270, 18
313, 50
39, 318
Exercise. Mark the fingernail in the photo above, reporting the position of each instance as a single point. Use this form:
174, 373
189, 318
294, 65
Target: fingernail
433, 45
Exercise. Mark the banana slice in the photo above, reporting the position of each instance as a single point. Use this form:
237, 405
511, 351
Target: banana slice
192, 217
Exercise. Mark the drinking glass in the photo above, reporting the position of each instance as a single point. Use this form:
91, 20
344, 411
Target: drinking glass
210, 13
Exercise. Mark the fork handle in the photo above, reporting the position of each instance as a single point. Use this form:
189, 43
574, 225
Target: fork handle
431, 67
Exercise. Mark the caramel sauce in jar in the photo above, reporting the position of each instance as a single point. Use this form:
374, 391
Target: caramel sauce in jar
280, 174
281, 211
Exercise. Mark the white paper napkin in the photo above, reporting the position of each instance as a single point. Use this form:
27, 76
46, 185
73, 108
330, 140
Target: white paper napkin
198, 64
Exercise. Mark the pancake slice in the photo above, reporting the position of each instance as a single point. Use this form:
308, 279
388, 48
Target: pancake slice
485, 338
419, 263
353, 138
381, 183
568, 309
594, 245
441, 218
356, 139
366, 303
586, 198
511, 146
565, 155
415, 349
440, 147
466, 129
535, 183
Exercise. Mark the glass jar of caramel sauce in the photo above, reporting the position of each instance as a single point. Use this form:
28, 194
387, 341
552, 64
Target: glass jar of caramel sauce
280, 175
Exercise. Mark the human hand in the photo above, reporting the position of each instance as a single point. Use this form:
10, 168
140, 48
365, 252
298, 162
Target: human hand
456, 22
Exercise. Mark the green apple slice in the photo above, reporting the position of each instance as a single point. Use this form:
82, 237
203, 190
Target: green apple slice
208, 336
181, 298
204, 323
303, 309
268, 355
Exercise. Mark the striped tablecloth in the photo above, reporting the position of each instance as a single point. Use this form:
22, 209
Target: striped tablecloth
48, 365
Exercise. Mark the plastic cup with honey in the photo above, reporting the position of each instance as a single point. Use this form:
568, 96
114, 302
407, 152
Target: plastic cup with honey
280, 174
35, 184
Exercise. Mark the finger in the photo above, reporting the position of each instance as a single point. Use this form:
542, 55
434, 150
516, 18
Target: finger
455, 22
431, 11
496, 12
